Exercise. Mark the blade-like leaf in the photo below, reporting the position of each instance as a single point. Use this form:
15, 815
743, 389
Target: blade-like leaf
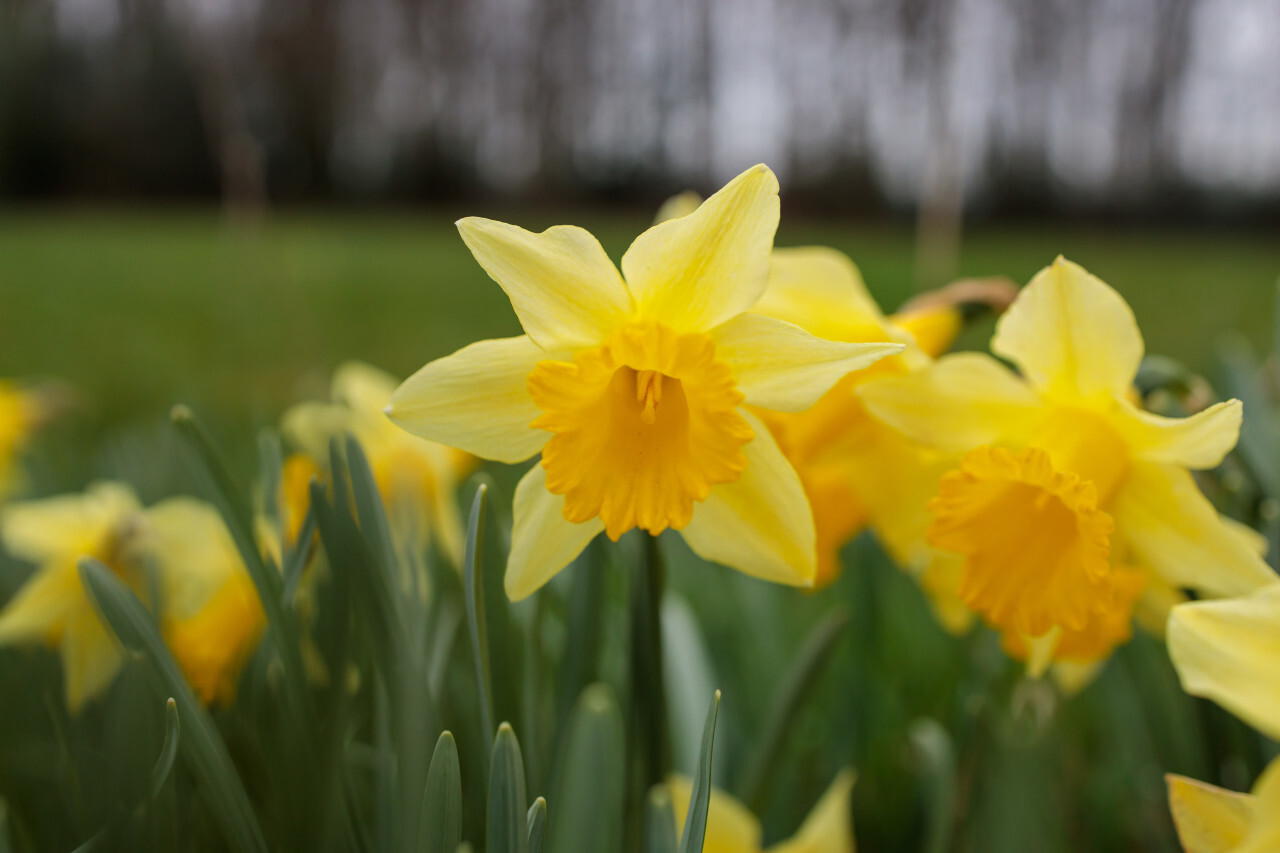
201, 744
933, 746
659, 821
537, 824
169, 750
695, 824
472, 580
589, 787
508, 819
440, 826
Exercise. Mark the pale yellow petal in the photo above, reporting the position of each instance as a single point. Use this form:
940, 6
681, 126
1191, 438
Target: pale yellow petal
189, 544
695, 272
310, 426
829, 827
1200, 441
1173, 530
961, 401
476, 400
1264, 835
562, 285
821, 291
1229, 651
542, 542
91, 657
1072, 335
67, 525
362, 386
40, 608
933, 328
1209, 819
782, 367
761, 524
731, 828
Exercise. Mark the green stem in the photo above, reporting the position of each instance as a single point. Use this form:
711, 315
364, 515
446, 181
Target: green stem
650, 746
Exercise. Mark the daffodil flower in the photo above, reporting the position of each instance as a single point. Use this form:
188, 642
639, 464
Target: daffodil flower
184, 541
1229, 651
632, 387
21, 412
732, 828
1067, 483
417, 479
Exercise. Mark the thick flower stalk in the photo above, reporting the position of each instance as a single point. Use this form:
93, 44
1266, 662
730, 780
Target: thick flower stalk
418, 480
635, 387
1070, 499
732, 828
1229, 651
211, 614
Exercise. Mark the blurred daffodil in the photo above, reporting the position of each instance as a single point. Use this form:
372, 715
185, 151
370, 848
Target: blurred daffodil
195, 568
731, 828
418, 479
1064, 477
1229, 651
22, 410
633, 387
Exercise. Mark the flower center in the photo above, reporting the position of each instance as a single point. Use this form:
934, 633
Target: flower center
1037, 547
1083, 443
644, 425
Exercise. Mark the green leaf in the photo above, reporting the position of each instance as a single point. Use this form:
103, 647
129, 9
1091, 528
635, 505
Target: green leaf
695, 824
787, 701
932, 745
440, 827
201, 745
472, 583
1259, 444
508, 820
659, 821
537, 824
169, 750
589, 787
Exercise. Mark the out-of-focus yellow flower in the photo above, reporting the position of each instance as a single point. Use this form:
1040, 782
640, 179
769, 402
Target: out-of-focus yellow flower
1063, 476
633, 389
855, 469
417, 479
21, 412
1229, 651
185, 543
731, 828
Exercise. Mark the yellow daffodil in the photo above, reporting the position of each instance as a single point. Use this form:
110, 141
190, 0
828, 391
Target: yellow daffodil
196, 566
22, 410
418, 479
1229, 651
1066, 483
855, 469
633, 388
731, 828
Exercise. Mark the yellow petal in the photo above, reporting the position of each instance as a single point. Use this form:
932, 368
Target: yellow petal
933, 328
782, 367
1209, 819
362, 387
41, 607
193, 550
562, 285
761, 524
1229, 651
542, 542
829, 827
1072, 335
960, 402
67, 525
1174, 530
1264, 836
821, 291
1200, 441
731, 828
695, 272
91, 657
476, 400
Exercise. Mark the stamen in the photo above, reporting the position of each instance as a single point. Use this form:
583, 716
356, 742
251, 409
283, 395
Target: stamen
649, 389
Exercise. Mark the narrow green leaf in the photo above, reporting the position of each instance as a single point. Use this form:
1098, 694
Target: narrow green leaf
472, 580
168, 750
508, 821
787, 701
695, 824
440, 826
589, 786
933, 747
659, 821
201, 745
1259, 444
537, 824
296, 560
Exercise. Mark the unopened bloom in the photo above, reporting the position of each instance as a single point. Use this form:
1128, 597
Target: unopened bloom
1229, 651
417, 479
633, 388
1067, 483
731, 828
